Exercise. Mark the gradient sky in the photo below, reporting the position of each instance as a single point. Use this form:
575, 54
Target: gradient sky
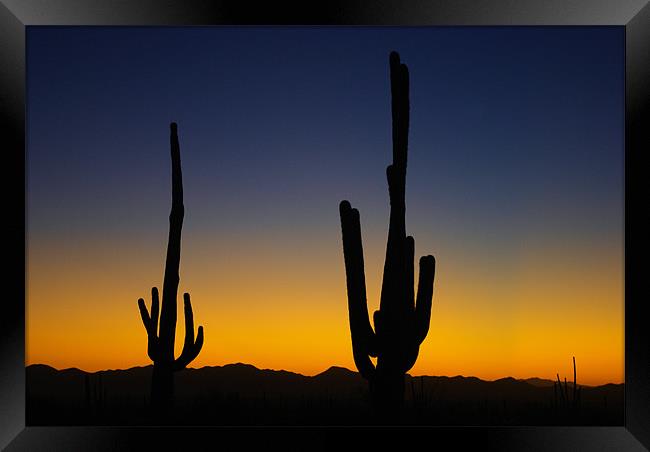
515, 184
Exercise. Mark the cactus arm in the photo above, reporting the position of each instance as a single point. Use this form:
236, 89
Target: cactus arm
362, 361
155, 311
410, 272
151, 323
559, 383
575, 395
363, 337
171, 279
393, 281
191, 347
424, 297
146, 320
189, 322
566, 391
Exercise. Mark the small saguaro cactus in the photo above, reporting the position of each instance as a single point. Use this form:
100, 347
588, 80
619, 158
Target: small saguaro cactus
571, 404
402, 322
160, 338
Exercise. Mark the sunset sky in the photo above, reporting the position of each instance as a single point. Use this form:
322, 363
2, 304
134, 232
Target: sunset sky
515, 184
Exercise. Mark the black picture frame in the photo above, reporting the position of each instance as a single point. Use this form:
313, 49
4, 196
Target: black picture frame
15, 15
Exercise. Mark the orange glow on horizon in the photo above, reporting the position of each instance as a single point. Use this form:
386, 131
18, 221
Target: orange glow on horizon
293, 316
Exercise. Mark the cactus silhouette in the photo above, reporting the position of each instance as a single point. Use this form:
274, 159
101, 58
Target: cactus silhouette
402, 322
160, 338
569, 404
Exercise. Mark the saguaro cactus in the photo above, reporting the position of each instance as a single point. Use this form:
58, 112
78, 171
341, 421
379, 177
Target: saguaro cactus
401, 323
160, 339
569, 404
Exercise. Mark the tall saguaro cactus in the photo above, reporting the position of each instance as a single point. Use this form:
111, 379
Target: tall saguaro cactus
402, 321
160, 338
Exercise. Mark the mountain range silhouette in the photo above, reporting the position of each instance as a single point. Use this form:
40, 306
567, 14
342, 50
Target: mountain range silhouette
241, 394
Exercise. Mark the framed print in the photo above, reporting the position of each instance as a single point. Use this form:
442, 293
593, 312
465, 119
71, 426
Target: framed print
274, 225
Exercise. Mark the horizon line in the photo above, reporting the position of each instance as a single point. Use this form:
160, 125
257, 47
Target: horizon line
319, 373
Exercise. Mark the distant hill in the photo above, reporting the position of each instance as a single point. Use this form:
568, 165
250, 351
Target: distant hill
539, 382
241, 394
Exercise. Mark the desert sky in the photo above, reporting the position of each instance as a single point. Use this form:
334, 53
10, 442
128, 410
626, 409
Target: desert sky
514, 184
